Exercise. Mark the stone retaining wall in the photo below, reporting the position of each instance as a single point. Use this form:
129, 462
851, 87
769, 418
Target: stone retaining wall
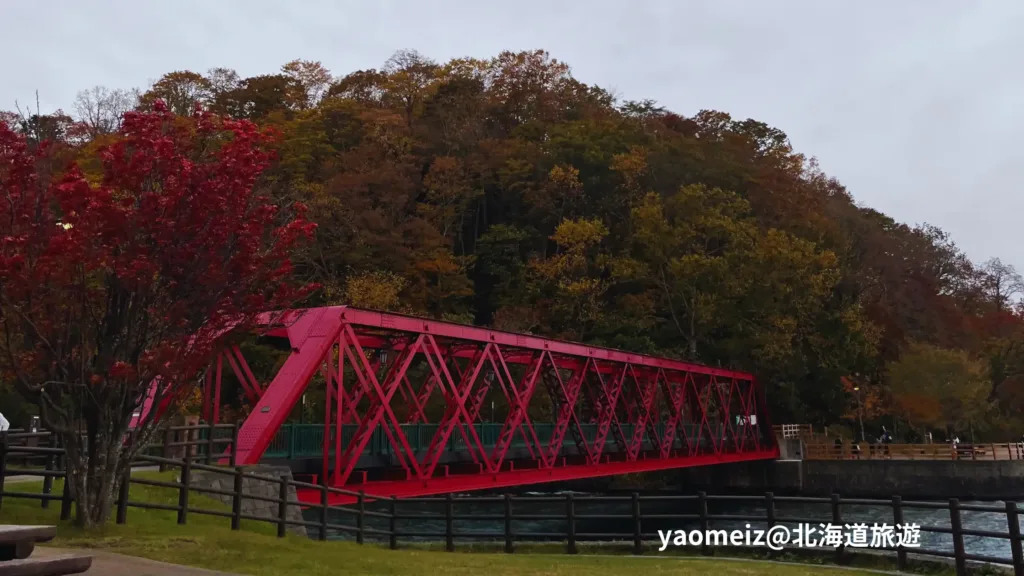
253, 487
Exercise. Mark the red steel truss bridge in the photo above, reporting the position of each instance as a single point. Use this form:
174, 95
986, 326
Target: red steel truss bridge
571, 411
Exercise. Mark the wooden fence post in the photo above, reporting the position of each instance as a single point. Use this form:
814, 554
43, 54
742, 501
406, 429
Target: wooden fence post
837, 520
1013, 522
449, 528
361, 517
702, 503
165, 450
958, 537
769, 515
509, 545
897, 519
638, 537
186, 481
236, 499
282, 507
393, 525
234, 446
324, 507
210, 443
570, 525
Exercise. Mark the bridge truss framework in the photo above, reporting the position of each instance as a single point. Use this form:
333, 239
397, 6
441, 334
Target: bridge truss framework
383, 370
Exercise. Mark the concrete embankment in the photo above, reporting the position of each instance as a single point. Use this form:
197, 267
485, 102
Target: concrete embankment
1002, 480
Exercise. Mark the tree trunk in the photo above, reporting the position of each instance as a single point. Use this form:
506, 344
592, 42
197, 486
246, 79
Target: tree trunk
860, 419
692, 343
96, 463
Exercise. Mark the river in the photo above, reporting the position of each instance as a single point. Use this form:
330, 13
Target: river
432, 525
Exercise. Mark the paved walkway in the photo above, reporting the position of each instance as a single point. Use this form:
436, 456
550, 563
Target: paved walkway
108, 564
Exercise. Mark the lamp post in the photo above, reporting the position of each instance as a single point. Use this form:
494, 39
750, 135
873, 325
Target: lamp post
860, 413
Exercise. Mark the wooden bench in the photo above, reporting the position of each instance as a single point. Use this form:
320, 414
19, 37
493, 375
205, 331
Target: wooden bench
51, 566
17, 544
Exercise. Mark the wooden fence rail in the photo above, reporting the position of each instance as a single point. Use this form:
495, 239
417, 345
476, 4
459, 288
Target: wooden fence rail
865, 451
378, 519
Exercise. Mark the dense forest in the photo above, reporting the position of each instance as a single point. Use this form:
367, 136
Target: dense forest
506, 193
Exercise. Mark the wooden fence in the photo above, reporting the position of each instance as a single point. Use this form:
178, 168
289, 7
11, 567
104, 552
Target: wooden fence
865, 451
380, 519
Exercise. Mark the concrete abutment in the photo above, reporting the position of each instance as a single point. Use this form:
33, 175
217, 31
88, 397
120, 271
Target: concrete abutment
253, 487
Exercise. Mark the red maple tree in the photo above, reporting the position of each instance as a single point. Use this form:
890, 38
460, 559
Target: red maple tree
111, 281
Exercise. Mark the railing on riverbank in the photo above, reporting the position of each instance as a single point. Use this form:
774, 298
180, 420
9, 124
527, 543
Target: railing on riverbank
788, 431
202, 442
391, 521
864, 451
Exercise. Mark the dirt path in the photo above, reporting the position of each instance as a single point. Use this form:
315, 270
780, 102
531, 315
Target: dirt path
107, 564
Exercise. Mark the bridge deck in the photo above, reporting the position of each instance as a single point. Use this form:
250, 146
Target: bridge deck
521, 477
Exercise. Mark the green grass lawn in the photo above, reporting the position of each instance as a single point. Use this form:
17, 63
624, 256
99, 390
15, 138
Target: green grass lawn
208, 542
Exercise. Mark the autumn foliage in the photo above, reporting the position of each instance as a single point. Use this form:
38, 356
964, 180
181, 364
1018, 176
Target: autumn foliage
112, 280
506, 192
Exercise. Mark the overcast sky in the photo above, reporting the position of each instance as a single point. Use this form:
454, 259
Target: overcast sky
916, 105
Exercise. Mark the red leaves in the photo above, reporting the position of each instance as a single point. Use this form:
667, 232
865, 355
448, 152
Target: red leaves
121, 370
147, 269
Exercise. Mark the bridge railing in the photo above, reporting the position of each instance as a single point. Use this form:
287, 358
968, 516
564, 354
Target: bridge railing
306, 440
865, 451
569, 519
207, 442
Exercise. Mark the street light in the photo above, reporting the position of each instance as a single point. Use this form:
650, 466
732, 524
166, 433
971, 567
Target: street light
860, 413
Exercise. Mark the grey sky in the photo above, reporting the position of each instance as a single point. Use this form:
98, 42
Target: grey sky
915, 105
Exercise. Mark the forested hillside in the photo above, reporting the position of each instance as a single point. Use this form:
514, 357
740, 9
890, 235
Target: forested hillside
504, 192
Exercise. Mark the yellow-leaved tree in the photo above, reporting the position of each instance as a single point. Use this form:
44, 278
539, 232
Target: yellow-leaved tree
570, 281
935, 387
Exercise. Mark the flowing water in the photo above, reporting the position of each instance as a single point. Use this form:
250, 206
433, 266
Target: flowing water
428, 521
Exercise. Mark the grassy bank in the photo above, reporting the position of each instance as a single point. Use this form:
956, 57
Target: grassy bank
208, 542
